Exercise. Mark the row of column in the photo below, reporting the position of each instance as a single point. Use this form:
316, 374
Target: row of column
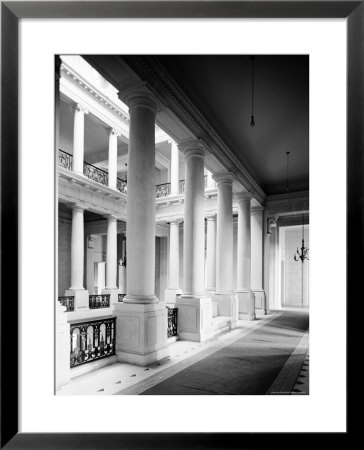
219, 237
141, 319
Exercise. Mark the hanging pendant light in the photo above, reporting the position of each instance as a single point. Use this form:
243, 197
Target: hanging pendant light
302, 253
252, 122
287, 157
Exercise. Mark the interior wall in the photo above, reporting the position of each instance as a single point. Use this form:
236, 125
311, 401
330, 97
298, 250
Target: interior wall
294, 274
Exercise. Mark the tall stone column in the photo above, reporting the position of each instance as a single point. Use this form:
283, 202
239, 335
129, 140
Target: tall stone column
245, 295
141, 325
194, 307
113, 158
173, 270
225, 297
174, 169
77, 259
211, 253
78, 138
257, 236
111, 260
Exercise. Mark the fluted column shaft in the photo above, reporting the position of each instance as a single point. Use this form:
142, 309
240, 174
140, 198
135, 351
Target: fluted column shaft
174, 169
113, 155
140, 241
174, 255
78, 139
77, 248
194, 221
211, 253
244, 244
224, 242
111, 253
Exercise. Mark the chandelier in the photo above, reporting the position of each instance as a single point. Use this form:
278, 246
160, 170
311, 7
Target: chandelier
302, 253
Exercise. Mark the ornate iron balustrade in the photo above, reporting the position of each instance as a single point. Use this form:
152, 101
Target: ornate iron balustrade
172, 322
95, 174
121, 185
163, 190
68, 301
65, 160
92, 340
121, 297
99, 301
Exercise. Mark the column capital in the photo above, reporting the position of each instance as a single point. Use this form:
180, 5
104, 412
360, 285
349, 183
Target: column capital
192, 147
139, 96
257, 210
244, 197
175, 220
110, 217
80, 108
223, 177
211, 217
78, 207
113, 132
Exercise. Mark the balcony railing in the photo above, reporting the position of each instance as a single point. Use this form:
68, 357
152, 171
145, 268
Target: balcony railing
65, 160
67, 301
172, 322
121, 185
101, 176
95, 174
99, 301
163, 190
92, 340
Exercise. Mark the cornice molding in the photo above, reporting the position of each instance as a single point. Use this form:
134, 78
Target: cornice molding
186, 111
68, 72
287, 196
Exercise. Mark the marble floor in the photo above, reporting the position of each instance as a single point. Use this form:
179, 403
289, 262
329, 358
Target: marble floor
126, 379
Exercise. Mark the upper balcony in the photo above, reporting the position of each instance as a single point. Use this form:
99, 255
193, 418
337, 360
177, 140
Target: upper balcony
100, 176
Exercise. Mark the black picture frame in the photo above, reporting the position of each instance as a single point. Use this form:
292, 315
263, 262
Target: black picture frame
11, 12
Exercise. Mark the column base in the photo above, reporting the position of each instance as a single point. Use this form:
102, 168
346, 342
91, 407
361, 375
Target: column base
260, 301
113, 294
141, 332
227, 305
246, 305
194, 318
81, 297
170, 295
62, 346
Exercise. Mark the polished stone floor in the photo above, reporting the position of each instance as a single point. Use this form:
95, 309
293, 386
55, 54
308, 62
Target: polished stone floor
266, 356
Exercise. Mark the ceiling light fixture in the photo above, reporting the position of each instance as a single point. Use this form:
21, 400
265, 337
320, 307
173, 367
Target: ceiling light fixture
252, 122
302, 254
287, 156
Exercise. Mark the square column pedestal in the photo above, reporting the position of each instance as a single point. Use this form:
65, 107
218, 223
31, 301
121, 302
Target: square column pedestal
170, 295
194, 321
114, 294
260, 301
246, 305
81, 297
228, 306
141, 332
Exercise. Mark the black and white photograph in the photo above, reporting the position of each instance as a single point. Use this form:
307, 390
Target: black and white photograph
181, 196
183, 225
